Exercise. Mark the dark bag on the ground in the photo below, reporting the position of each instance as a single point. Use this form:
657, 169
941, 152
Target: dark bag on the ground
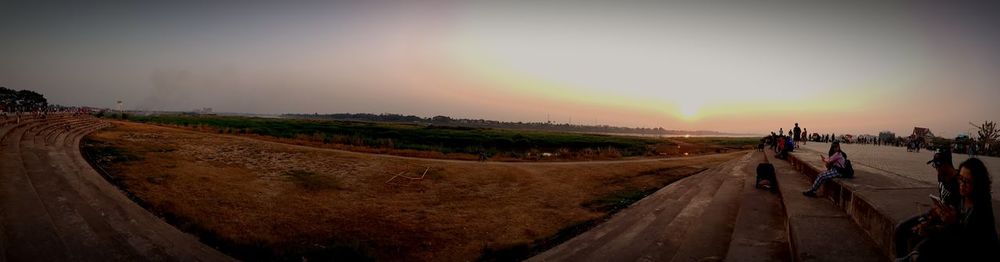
765, 172
847, 171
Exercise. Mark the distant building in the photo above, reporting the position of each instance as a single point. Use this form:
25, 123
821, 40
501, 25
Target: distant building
922, 134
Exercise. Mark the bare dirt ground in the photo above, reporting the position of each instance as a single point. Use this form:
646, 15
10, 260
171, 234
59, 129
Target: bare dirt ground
260, 199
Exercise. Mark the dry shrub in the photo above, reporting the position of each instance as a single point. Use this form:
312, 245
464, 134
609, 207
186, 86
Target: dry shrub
611, 152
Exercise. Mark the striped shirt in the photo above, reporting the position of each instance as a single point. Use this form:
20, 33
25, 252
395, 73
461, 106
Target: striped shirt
948, 193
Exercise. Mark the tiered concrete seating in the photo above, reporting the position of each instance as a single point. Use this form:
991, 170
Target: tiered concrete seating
719, 215
714, 215
55, 207
818, 229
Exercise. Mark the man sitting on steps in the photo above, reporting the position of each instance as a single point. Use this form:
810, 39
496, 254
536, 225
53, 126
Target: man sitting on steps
914, 230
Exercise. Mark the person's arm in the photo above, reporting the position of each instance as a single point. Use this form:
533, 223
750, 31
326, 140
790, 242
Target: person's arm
832, 160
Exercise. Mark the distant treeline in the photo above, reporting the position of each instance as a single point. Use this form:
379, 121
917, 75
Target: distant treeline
482, 123
435, 138
12, 100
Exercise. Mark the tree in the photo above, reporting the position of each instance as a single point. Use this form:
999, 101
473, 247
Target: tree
7, 98
988, 133
21, 100
30, 101
441, 119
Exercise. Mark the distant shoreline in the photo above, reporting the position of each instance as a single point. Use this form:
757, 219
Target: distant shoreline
477, 123
676, 135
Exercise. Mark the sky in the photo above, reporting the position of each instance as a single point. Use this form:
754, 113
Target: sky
745, 67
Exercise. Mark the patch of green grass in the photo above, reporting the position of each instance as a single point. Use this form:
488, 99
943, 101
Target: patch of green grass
106, 154
736, 142
444, 139
417, 137
619, 200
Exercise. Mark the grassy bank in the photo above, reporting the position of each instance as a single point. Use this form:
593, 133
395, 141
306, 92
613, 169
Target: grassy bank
270, 201
445, 141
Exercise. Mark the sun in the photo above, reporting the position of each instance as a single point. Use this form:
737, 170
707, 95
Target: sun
689, 110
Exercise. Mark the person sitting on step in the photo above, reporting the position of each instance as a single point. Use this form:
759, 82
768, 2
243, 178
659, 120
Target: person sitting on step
973, 235
914, 230
836, 160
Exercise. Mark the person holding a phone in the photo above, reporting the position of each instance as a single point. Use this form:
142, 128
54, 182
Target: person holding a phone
938, 221
836, 160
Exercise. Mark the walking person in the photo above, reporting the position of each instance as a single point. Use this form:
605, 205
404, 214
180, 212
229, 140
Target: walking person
805, 136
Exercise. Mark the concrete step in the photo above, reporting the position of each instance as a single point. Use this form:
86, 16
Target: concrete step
54, 207
10, 129
655, 228
112, 223
57, 131
58, 137
84, 232
759, 233
875, 200
27, 227
666, 240
709, 239
72, 140
33, 125
148, 234
669, 202
818, 230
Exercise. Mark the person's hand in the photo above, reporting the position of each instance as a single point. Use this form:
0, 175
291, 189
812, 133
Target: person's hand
947, 214
920, 228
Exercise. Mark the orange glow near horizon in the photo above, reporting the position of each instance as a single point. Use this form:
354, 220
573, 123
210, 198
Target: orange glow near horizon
681, 66
689, 110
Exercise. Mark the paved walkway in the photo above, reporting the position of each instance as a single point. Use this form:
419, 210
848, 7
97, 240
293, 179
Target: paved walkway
55, 207
896, 161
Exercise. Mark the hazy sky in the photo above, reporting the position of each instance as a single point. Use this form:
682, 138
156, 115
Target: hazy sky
753, 67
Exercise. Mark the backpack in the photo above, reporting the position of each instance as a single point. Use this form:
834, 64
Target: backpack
847, 171
765, 171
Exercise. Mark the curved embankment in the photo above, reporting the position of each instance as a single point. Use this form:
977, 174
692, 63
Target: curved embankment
55, 207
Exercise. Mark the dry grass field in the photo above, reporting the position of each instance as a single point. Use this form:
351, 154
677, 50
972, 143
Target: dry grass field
257, 199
